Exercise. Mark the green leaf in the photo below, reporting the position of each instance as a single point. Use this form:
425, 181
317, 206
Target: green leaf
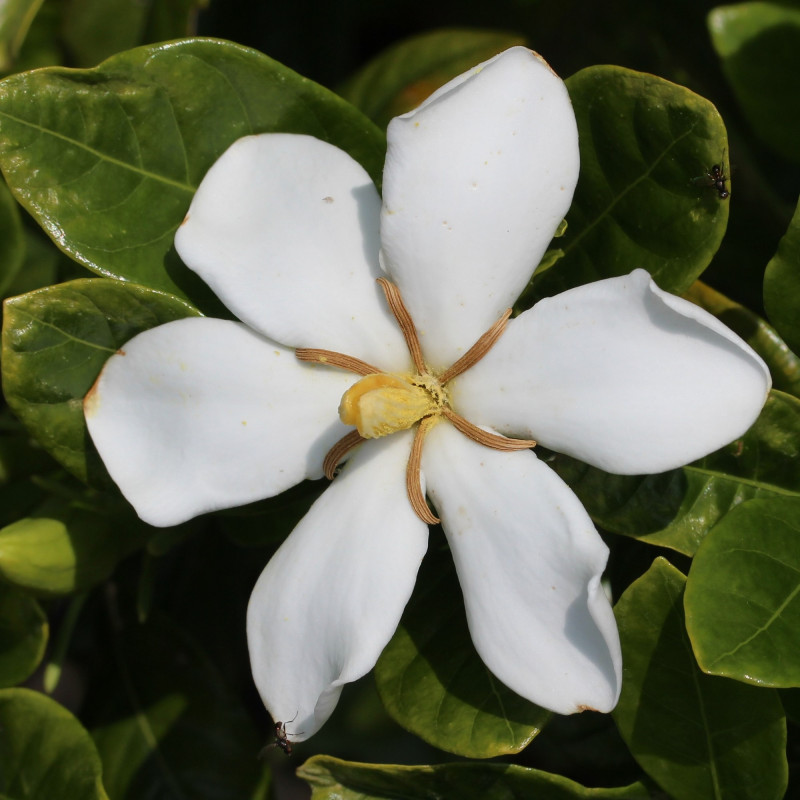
64, 547
700, 737
23, 635
12, 241
743, 595
433, 683
108, 159
168, 726
643, 198
44, 751
16, 17
782, 285
759, 46
676, 509
96, 29
403, 75
333, 779
43, 44
784, 365
40, 266
55, 342
173, 19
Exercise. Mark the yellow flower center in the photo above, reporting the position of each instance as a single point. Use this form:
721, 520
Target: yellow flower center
382, 403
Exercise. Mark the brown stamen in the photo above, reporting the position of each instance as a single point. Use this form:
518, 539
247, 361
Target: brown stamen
493, 440
413, 483
339, 451
333, 359
405, 322
478, 350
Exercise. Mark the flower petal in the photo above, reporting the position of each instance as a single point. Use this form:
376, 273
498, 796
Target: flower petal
202, 414
284, 228
331, 597
619, 374
529, 562
476, 181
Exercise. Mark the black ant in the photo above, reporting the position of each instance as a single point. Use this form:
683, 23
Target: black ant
281, 738
718, 179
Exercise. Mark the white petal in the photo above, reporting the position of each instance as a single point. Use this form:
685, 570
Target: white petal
284, 228
529, 562
476, 181
619, 374
331, 597
202, 414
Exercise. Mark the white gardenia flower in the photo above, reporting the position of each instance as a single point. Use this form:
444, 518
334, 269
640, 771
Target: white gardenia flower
203, 414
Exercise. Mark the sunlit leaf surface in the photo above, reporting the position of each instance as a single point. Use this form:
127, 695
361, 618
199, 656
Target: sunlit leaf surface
743, 595
701, 737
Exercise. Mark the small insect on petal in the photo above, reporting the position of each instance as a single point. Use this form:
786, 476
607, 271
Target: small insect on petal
281, 739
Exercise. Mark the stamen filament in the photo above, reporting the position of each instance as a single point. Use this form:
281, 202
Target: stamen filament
339, 451
413, 482
478, 350
333, 359
405, 322
493, 440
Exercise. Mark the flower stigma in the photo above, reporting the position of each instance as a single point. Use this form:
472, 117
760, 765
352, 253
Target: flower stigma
381, 403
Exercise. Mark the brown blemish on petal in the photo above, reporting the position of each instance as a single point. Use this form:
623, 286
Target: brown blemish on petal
91, 403
327, 199
185, 220
587, 708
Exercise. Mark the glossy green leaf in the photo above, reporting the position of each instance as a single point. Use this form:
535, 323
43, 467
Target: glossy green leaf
403, 75
433, 682
45, 753
23, 635
700, 737
167, 725
55, 342
759, 46
784, 365
108, 159
12, 241
676, 509
782, 285
16, 17
333, 779
643, 198
64, 547
743, 595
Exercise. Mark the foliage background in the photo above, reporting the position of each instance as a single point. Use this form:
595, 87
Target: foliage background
146, 633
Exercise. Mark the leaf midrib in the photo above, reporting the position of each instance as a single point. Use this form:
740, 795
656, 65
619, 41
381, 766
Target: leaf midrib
184, 187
